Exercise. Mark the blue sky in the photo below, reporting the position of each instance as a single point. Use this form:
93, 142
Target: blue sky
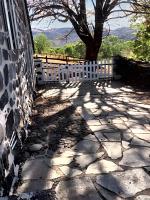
115, 23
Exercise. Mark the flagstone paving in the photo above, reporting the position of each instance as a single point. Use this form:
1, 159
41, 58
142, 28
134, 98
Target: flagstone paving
88, 142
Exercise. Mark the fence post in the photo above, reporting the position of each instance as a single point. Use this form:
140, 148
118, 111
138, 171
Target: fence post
66, 59
38, 72
46, 59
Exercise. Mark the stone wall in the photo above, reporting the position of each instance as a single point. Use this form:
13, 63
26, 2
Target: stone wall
16, 89
133, 72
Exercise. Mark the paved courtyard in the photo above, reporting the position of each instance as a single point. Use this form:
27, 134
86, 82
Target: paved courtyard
88, 141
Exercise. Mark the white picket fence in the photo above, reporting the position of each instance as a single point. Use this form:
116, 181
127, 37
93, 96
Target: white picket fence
77, 72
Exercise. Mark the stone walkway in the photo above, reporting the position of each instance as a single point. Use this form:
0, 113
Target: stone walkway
88, 142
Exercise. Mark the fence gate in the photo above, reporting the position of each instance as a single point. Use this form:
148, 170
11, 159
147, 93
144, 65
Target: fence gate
47, 72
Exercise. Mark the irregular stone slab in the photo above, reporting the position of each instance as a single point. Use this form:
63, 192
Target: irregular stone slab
125, 184
107, 194
143, 136
102, 166
147, 168
70, 153
103, 128
143, 197
100, 136
125, 144
91, 137
117, 121
139, 129
95, 128
85, 160
87, 146
122, 127
90, 105
70, 172
113, 137
77, 189
136, 157
38, 169
34, 186
35, 147
86, 114
59, 161
138, 142
113, 149
94, 122
127, 136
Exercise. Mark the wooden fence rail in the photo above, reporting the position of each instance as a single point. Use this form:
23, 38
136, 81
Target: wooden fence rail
62, 59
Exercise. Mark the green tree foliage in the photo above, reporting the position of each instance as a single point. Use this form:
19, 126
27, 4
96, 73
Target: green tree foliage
142, 43
142, 23
112, 46
42, 44
76, 49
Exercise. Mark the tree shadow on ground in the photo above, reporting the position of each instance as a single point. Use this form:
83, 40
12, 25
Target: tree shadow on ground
61, 126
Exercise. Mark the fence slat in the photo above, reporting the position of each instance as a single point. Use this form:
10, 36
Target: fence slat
77, 72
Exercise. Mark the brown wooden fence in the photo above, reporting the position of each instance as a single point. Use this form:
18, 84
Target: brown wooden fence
59, 59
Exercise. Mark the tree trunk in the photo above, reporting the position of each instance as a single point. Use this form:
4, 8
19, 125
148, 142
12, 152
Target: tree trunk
92, 51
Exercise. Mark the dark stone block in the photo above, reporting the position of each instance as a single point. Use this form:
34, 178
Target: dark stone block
5, 54
4, 100
1, 82
1, 23
12, 71
17, 83
0, 56
10, 124
14, 85
6, 74
2, 38
11, 102
20, 91
5, 157
17, 117
10, 87
2, 135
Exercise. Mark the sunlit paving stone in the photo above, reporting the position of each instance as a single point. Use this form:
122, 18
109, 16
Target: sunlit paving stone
78, 188
93, 122
126, 145
90, 105
61, 160
125, 184
139, 130
113, 149
70, 172
107, 108
102, 166
86, 159
110, 136
136, 157
138, 142
38, 169
70, 153
103, 128
122, 127
143, 197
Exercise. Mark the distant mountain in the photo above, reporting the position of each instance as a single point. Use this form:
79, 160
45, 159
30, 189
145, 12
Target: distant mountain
124, 33
61, 36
